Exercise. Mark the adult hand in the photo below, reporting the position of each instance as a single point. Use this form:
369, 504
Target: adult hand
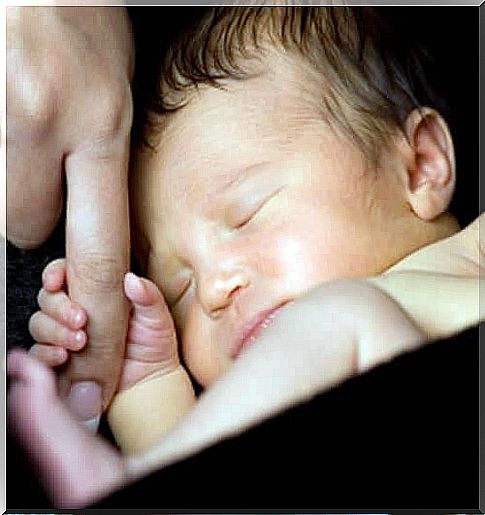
69, 119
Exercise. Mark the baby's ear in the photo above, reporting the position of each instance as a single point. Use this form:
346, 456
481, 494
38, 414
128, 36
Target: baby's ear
430, 163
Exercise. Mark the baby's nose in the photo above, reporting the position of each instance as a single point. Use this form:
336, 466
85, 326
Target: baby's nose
217, 292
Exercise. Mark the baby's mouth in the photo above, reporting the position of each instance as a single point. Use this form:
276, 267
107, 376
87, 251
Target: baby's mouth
250, 331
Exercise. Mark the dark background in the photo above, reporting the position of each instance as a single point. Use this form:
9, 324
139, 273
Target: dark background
451, 34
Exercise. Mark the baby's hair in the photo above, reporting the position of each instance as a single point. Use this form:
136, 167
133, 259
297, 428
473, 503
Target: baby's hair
368, 79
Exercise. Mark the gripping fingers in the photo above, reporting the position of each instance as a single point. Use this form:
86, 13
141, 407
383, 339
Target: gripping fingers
47, 330
60, 307
151, 333
54, 275
50, 355
149, 306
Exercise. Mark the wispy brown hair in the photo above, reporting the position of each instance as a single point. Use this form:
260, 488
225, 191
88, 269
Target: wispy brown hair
368, 79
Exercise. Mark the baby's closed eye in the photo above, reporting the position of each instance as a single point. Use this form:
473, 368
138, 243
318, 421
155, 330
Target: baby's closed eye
241, 211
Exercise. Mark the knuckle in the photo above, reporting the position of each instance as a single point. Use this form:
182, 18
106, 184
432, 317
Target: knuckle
41, 297
33, 100
96, 273
36, 351
42, 107
44, 353
34, 321
62, 336
56, 264
113, 112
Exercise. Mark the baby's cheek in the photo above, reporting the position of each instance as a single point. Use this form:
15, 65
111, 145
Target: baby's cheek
201, 352
307, 256
295, 261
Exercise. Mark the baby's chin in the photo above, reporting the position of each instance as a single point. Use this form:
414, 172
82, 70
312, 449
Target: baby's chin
204, 371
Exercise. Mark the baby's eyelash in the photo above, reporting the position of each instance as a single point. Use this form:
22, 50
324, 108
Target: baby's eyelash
247, 218
255, 211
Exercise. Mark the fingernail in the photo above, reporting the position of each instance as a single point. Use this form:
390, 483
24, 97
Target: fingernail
79, 337
132, 277
134, 280
78, 317
85, 402
92, 425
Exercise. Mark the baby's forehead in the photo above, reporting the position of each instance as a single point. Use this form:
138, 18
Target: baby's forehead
253, 120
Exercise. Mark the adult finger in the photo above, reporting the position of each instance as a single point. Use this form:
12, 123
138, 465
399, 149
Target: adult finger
34, 160
34, 193
97, 249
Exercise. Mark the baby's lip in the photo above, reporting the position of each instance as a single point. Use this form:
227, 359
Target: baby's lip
248, 332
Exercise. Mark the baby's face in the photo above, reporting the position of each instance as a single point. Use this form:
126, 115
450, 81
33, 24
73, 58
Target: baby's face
248, 202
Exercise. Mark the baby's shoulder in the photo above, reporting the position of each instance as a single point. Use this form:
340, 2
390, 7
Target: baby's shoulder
461, 254
473, 237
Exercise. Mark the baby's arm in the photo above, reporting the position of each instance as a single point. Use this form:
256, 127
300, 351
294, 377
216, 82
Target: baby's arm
440, 305
150, 401
142, 414
338, 330
335, 331
154, 389
321, 339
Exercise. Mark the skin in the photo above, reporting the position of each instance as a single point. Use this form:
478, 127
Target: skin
230, 223
69, 118
341, 313
151, 342
326, 199
72, 486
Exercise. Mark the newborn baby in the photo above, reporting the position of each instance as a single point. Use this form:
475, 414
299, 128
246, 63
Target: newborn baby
283, 167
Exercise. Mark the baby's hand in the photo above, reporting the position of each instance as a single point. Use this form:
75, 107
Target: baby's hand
151, 344
59, 326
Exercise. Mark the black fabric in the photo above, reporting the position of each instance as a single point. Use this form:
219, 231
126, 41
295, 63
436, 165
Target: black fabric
402, 436
23, 281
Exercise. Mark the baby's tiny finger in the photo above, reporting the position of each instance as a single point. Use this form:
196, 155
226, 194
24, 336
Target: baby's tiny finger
43, 328
50, 355
54, 275
142, 291
149, 306
61, 308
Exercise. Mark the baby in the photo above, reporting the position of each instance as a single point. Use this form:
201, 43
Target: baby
288, 160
